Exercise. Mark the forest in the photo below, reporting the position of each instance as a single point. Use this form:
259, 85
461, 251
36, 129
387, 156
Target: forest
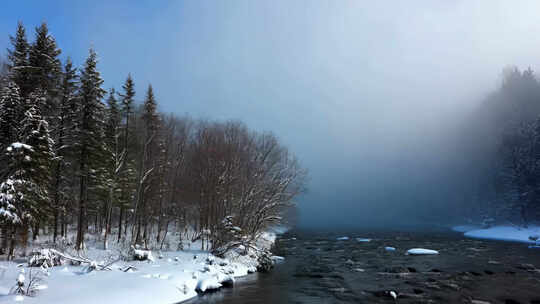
500, 152
77, 159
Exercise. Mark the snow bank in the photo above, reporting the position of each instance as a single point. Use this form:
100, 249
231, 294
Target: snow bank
172, 279
208, 284
388, 248
421, 251
505, 233
343, 238
363, 240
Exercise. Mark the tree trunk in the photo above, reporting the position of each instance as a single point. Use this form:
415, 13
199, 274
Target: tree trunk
165, 234
81, 223
120, 223
12, 242
35, 233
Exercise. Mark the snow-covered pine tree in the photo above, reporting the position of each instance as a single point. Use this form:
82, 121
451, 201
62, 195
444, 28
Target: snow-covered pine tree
88, 137
10, 117
127, 171
11, 107
24, 194
18, 64
46, 68
63, 147
4, 72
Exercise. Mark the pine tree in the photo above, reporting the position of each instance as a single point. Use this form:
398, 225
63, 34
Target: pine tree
18, 62
126, 169
63, 145
113, 158
150, 115
46, 68
11, 107
89, 135
24, 192
127, 109
148, 166
4, 72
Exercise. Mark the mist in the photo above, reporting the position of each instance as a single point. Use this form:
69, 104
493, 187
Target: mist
369, 96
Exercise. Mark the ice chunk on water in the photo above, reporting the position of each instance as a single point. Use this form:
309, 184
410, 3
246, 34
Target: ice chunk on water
421, 251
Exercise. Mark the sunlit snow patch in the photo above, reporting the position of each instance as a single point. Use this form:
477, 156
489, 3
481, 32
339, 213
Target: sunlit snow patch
343, 238
363, 240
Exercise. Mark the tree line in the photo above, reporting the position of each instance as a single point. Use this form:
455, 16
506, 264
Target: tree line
501, 152
78, 158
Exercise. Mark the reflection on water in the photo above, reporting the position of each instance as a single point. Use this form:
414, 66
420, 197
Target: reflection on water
321, 269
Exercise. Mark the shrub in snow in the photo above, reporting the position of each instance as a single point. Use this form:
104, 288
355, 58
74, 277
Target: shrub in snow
142, 255
19, 286
241, 249
265, 262
210, 260
27, 285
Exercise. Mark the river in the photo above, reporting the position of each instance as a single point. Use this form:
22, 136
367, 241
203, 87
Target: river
318, 268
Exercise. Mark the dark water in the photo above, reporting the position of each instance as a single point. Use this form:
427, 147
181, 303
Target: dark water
320, 269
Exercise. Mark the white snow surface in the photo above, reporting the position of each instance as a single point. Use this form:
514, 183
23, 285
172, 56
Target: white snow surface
388, 248
421, 251
171, 279
505, 233
343, 238
18, 145
363, 240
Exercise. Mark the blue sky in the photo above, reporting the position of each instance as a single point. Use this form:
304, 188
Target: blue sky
349, 86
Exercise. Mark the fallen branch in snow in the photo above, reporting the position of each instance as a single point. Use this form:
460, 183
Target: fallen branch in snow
82, 260
128, 268
44, 258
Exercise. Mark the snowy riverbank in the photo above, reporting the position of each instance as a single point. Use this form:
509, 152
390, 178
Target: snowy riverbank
501, 233
171, 278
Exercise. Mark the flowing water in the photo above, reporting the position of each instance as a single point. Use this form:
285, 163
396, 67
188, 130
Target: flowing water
320, 269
